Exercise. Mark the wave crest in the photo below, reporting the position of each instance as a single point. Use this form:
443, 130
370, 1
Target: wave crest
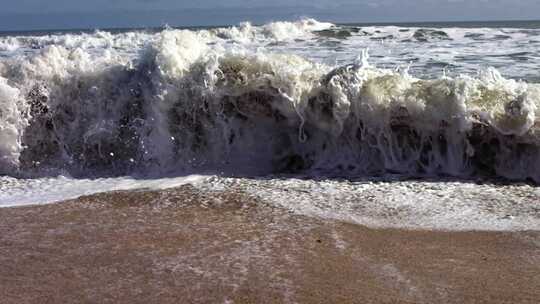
182, 105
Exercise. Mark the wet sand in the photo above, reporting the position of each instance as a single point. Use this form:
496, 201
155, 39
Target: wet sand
186, 246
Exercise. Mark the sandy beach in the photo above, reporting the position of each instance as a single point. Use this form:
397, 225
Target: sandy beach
189, 246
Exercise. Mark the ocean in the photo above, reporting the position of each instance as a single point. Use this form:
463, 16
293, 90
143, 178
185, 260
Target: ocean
435, 122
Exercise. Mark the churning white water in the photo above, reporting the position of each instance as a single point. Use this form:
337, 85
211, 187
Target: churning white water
301, 97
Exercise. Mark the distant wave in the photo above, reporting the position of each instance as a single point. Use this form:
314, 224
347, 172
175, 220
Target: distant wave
185, 103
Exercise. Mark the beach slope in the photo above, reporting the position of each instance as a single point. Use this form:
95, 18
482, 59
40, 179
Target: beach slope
184, 245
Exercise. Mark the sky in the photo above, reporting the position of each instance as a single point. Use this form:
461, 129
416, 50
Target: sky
76, 14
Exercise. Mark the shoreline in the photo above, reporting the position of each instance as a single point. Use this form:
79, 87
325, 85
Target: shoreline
190, 246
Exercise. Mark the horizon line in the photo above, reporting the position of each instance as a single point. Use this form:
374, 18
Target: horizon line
197, 27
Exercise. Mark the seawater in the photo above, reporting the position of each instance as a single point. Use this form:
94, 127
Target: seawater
458, 100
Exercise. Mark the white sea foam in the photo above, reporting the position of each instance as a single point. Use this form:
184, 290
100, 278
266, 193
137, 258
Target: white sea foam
384, 203
24, 192
377, 203
281, 97
189, 99
13, 120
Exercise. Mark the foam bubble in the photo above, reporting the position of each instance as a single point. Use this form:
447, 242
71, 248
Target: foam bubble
191, 100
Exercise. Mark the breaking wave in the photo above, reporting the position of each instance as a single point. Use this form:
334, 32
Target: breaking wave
185, 103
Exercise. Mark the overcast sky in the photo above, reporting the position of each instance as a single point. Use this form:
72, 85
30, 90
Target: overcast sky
47, 14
